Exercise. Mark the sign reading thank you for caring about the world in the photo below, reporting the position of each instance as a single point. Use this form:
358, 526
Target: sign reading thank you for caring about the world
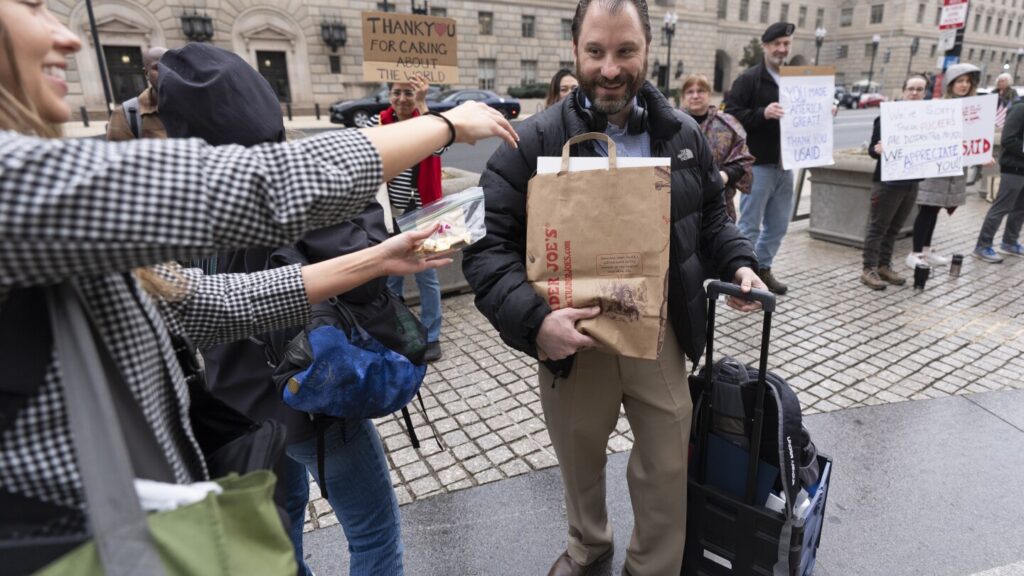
397, 46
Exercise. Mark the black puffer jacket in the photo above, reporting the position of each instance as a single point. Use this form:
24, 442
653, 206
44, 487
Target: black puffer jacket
703, 237
751, 93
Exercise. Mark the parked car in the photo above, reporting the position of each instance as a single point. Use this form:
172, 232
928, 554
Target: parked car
452, 98
870, 100
852, 97
357, 113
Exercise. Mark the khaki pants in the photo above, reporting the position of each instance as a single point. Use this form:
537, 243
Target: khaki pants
581, 413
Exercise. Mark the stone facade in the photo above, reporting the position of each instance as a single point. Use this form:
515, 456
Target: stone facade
709, 38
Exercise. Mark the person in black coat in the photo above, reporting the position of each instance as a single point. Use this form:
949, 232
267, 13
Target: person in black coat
583, 389
754, 100
891, 203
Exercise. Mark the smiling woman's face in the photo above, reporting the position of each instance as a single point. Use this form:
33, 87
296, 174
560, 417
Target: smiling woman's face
41, 46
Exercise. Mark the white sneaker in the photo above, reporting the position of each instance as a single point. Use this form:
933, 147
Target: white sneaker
937, 259
913, 259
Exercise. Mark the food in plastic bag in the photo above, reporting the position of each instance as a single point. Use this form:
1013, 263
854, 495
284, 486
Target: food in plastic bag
461, 217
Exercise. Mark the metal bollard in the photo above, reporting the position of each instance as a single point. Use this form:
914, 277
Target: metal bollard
85, 116
288, 107
316, 106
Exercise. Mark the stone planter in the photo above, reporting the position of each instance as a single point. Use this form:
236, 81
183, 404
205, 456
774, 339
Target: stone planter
450, 277
841, 199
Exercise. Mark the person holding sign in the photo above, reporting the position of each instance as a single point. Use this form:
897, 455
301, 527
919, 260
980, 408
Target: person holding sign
1009, 202
754, 101
891, 203
582, 388
934, 194
412, 189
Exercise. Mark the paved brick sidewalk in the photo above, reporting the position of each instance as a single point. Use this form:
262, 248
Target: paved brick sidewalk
837, 342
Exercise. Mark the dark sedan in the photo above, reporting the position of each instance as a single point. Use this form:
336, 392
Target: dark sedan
452, 98
357, 113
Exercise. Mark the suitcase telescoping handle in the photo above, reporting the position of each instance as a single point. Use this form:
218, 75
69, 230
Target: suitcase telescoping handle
767, 301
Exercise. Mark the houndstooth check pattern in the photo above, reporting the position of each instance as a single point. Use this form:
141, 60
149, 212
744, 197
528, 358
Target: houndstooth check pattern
90, 210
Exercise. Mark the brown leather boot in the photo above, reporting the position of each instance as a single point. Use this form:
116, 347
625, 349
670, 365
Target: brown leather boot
774, 286
870, 279
566, 566
891, 276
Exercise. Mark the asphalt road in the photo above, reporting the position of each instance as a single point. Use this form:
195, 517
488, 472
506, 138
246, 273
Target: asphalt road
852, 130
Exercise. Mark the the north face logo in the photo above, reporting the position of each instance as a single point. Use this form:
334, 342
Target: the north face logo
685, 154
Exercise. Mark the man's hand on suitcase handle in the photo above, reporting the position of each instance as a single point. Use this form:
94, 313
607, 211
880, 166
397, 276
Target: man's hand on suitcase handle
746, 279
558, 337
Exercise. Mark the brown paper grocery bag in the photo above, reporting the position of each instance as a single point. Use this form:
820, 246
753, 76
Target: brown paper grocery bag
602, 237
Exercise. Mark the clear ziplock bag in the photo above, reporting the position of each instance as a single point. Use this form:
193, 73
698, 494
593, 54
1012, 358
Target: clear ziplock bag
461, 217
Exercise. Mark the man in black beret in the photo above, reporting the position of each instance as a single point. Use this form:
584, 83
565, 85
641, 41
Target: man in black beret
754, 101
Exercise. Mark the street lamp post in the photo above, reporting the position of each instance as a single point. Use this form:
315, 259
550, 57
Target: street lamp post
670, 30
915, 44
874, 51
819, 39
1020, 54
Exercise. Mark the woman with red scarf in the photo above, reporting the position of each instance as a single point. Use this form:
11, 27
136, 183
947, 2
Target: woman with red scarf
412, 189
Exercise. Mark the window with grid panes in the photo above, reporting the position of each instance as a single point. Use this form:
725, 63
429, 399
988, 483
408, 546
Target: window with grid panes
999, 26
819, 20
801, 18
877, 13
988, 24
842, 52
784, 13
486, 20
920, 13
977, 22
335, 63
529, 26
765, 7
439, 11
486, 70
846, 17
744, 10
529, 72
723, 9
934, 48
566, 29
388, 7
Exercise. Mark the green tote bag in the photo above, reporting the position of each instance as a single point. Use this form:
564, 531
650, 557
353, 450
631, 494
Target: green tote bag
237, 532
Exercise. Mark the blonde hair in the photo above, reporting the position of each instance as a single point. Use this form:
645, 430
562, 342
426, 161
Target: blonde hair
19, 114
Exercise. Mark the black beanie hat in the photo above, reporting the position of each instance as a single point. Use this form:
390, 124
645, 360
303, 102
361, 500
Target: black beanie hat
207, 92
777, 30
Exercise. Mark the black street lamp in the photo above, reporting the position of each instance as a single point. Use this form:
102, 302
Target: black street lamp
670, 30
334, 34
424, 10
915, 44
819, 39
197, 27
874, 51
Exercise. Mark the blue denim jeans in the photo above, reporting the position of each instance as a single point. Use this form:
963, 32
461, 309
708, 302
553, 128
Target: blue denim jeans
430, 300
359, 491
765, 212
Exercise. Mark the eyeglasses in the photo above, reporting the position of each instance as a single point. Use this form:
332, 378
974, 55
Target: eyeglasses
400, 93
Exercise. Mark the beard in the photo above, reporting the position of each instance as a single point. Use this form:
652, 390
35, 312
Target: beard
611, 105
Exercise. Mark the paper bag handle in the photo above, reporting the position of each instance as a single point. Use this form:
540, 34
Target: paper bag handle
612, 154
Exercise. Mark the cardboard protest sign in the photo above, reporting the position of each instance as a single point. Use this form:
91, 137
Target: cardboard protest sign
922, 139
806, 94
397, 46
598, 233
979, 128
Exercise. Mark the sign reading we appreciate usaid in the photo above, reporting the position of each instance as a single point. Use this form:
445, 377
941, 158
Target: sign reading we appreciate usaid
806, 94
922, 139
397, 46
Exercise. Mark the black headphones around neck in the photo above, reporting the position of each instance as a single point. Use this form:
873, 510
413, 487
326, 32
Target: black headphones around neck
598, 121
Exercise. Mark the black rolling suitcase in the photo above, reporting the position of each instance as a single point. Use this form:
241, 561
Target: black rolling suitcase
744, 516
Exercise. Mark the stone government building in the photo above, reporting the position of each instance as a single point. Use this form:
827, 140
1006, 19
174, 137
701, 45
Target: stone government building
512, 42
